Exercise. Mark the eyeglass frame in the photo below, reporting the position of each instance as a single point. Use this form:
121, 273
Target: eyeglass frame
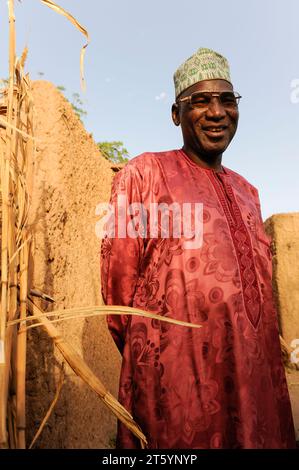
212, 93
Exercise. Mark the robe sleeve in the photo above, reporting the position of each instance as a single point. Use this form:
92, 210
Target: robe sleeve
120, 257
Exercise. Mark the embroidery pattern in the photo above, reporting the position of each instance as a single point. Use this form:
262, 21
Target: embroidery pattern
242, 244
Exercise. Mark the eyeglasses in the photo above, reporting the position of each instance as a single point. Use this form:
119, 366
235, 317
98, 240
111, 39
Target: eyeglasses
202, 99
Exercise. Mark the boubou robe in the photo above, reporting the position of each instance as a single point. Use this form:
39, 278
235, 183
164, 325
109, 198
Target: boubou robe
219, 386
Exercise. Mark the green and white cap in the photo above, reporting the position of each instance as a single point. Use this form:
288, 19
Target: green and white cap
205, 64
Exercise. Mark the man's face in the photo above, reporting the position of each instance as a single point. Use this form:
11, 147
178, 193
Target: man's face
206, 132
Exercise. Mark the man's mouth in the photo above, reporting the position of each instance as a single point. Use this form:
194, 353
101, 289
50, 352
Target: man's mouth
215, 129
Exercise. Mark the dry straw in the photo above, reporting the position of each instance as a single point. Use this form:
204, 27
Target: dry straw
14, 209
73, 20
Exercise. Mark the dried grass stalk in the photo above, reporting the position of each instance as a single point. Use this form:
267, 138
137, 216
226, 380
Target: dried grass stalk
84, 312
11, 127
73, 20
52, 406
21, 351
78, 365
11, 418
6, 230
16, 108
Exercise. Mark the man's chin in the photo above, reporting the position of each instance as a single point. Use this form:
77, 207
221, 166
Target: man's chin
213, 152
213, 149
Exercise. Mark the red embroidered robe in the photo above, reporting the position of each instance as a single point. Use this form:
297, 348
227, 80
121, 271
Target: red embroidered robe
220, 386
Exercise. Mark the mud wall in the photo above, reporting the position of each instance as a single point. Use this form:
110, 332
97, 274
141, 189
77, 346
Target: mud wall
284, 231
69, 178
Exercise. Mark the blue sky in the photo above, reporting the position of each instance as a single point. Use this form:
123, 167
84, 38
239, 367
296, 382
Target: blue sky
136, 46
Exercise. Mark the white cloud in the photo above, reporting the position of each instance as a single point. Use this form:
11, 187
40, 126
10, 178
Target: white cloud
161, 97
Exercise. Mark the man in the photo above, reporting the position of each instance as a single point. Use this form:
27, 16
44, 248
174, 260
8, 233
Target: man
222, 385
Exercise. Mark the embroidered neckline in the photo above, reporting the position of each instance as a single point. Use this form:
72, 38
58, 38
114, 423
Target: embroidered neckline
195, 165
243, 247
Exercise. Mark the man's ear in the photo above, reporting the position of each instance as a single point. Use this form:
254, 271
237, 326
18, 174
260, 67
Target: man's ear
175, 114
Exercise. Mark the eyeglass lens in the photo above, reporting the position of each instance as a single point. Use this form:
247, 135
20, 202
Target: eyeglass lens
202, 99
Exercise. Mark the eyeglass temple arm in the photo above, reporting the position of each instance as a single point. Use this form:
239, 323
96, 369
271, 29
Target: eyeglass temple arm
187, 98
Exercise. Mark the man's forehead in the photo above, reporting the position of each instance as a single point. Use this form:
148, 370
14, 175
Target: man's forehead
208, 85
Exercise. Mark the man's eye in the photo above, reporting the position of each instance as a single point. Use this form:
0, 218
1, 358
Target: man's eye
200, 100
228, 98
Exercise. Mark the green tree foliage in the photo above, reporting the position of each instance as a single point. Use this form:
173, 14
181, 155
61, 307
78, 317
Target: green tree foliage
114, 151
76, 103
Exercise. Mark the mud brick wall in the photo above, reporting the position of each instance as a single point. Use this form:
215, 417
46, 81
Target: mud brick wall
284, 231
69, 178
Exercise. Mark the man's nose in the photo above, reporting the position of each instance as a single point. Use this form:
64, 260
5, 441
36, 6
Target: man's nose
216, 109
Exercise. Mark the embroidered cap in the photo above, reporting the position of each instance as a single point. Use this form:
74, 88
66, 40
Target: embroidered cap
205, 64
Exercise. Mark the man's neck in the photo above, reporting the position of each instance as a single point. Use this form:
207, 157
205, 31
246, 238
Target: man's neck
213, 163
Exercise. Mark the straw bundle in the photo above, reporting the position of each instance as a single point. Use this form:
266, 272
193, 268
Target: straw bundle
16, 144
